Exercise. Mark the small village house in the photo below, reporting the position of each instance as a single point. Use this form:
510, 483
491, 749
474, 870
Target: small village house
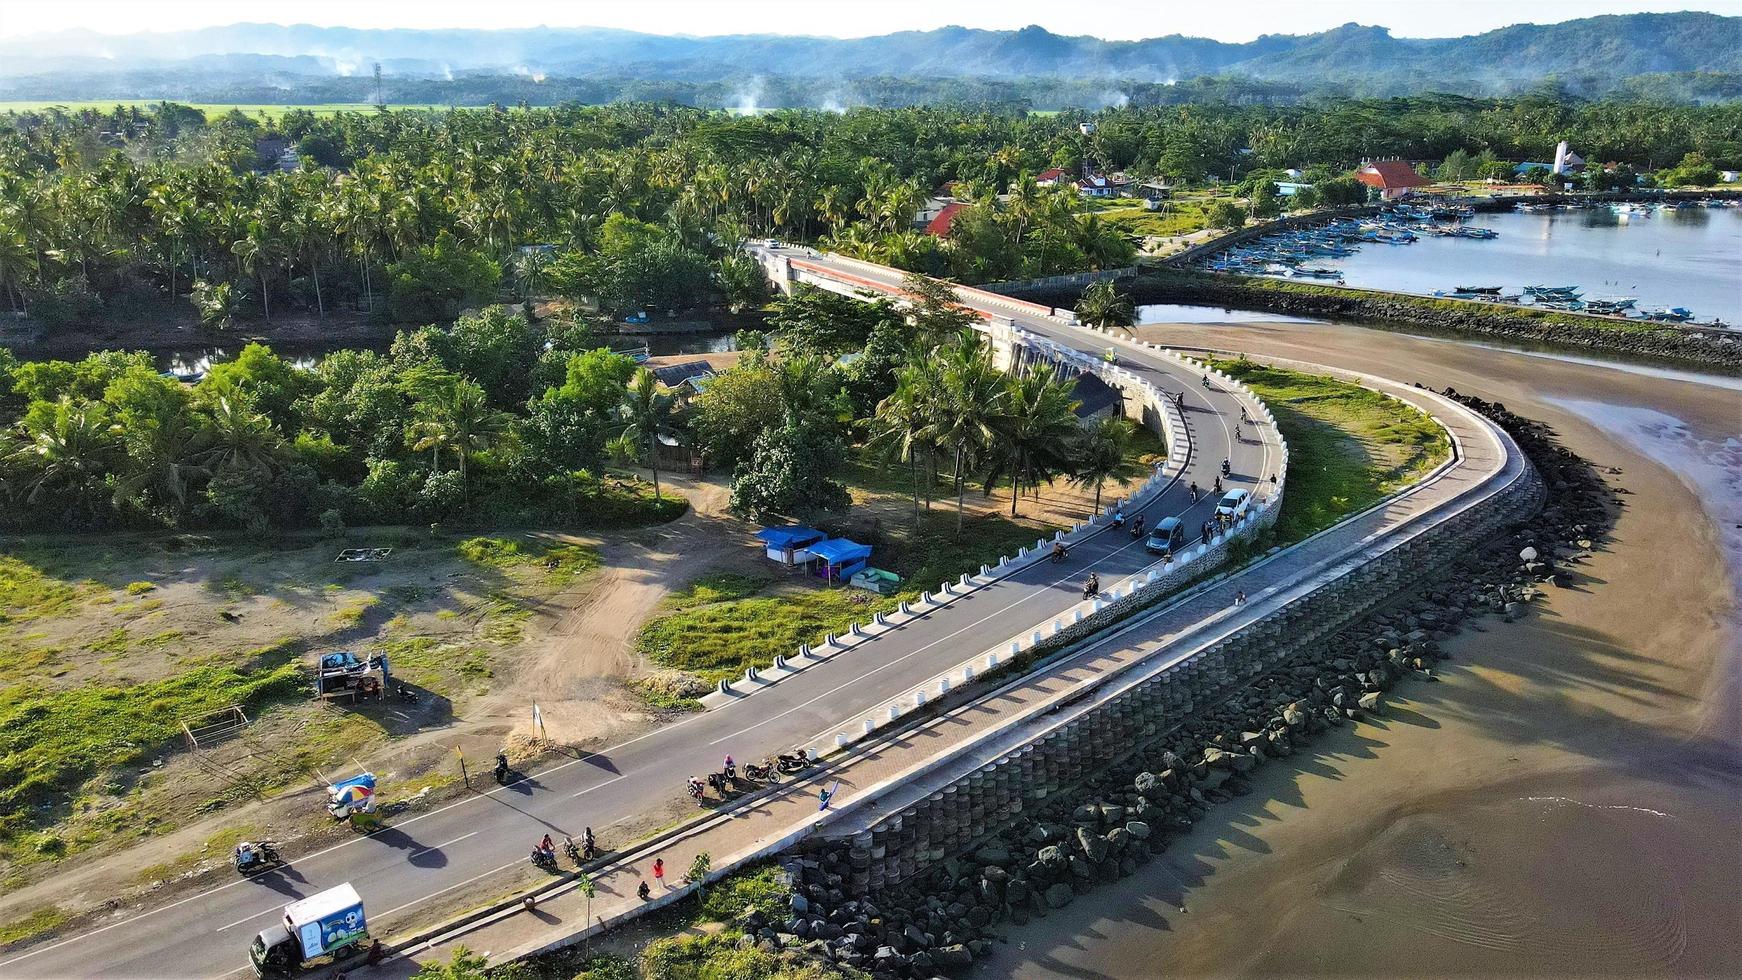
939, 226
1391, 178
1051, 177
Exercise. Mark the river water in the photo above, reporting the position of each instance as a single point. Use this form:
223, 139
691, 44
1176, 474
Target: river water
1662, 257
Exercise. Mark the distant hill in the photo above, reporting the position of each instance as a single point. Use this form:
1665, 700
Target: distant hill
1600, 52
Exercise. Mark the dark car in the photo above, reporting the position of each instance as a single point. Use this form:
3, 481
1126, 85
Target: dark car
1168, 537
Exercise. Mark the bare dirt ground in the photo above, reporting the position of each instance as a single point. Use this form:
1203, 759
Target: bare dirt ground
480, 643
1563, 803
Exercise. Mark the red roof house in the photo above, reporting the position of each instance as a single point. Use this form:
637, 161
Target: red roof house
1393, 178
940, 225
1050, 178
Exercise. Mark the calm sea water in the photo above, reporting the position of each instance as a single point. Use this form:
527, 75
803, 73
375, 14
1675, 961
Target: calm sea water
1690, 257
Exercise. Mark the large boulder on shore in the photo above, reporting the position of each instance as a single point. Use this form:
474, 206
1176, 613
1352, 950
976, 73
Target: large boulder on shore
1094, 845
952, 957
1052, 859
1149, 786
1059, 896
995, 854
1138, 829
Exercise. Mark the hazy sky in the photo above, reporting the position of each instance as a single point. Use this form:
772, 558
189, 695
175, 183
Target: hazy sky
1232, 20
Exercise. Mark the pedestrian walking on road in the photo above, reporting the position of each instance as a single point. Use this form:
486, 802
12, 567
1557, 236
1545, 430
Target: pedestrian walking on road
659, 871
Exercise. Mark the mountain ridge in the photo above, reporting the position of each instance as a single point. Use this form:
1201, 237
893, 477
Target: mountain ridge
1615, 45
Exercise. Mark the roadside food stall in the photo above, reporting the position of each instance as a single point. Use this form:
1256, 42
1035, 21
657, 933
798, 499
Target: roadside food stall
787, 544
837, 559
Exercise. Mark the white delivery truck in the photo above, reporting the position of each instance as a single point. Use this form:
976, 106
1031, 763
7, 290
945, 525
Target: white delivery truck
326, 924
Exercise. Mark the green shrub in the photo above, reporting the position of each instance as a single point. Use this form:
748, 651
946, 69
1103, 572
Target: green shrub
735, 896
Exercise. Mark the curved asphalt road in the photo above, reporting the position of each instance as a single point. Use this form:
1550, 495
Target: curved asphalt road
459, 845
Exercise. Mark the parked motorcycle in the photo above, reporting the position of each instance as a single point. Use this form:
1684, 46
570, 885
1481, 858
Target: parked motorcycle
251, 857
502, 771
794, 761
763, 772
573, 850
544, 859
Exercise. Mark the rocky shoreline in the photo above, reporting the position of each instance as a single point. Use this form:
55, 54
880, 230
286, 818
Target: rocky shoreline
943, 920
1709, 349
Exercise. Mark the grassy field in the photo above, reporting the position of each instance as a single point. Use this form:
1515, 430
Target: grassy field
1179, 217
724, 623
212, 109
1348, 446
113, 643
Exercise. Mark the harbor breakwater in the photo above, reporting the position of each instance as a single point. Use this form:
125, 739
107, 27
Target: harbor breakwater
1093, 799
1713, 349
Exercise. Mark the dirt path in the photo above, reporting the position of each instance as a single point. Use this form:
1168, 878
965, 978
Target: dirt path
591, 635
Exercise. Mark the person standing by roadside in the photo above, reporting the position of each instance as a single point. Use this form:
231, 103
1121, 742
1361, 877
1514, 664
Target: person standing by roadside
659, 871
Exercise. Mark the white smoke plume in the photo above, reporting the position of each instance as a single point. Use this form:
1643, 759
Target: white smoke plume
748, 97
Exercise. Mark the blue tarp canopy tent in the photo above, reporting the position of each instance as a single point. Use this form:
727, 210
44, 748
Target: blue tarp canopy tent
786, 544
840, 557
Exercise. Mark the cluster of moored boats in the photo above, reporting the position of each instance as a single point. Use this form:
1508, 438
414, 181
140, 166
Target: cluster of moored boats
1570, 298
1290, 254
1294, 254
1643, 209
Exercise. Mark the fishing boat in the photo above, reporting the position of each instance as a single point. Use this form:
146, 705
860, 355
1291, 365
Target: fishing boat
1552, 292
1492, 290
1671, 314
1609, 305
1309, 272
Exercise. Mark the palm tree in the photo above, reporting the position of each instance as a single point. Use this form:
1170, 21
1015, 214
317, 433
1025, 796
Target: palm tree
67, 451
456, 417
1100, 454
164, 457
1103, 306
254, 253
17, 261
971, 396
646, 415
1034, 431
242, 438
899, 432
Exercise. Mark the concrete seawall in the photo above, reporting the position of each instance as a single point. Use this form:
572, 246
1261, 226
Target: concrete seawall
954, 819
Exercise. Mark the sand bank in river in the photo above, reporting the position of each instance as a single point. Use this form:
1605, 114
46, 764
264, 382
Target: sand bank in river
1565, 801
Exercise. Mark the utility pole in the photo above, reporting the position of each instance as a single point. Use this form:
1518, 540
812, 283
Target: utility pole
379, 100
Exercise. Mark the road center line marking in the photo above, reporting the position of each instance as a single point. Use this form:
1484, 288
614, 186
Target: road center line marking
248, 918
602, 785
437, 847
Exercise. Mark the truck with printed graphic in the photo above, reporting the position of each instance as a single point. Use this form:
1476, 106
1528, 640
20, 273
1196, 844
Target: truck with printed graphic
325, 925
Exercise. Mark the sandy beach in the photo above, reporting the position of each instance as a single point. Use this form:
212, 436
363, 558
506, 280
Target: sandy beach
1563, 802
